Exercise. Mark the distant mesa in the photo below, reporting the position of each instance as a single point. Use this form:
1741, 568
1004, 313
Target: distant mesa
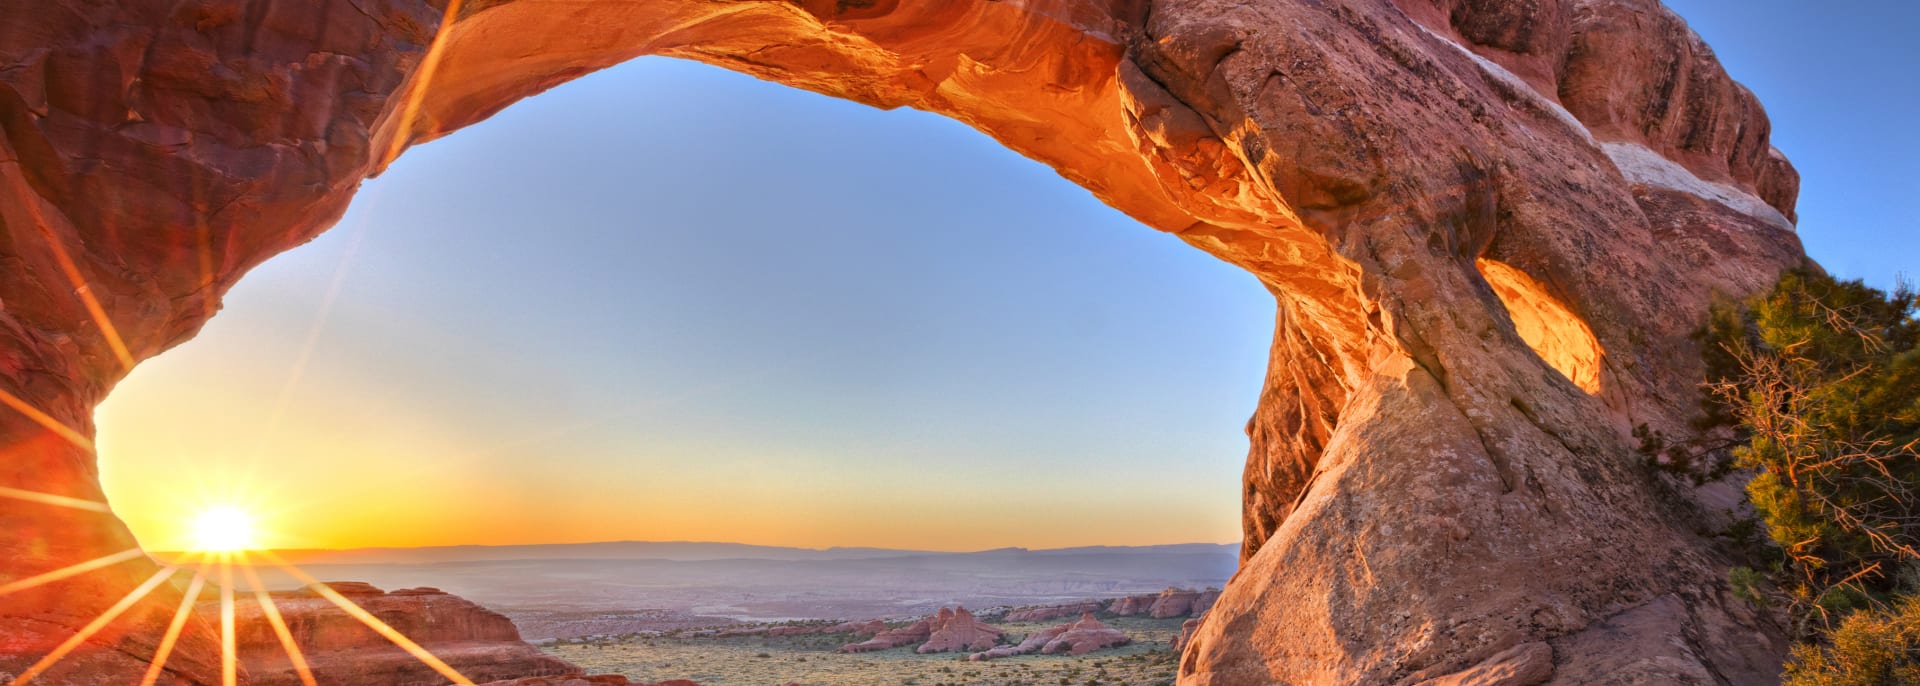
1077, 638
1047, 613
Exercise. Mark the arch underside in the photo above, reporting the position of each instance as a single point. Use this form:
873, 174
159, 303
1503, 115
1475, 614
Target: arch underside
1427, 490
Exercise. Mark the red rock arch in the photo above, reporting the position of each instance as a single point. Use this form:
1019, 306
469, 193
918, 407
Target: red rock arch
1424, 494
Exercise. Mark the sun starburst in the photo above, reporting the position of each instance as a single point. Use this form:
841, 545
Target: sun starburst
223, 529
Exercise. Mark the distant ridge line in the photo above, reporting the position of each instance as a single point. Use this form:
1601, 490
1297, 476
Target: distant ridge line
683, 551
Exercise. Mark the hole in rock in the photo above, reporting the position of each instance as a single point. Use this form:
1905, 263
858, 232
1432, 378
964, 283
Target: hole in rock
670, 302
1555, 333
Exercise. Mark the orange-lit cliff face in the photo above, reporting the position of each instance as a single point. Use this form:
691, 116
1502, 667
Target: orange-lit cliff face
1431, 188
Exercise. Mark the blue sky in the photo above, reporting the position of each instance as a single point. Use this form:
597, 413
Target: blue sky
751, 303
1841, 81
666, 301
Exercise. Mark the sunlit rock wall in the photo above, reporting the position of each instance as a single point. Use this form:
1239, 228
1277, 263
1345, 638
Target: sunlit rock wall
1440, 481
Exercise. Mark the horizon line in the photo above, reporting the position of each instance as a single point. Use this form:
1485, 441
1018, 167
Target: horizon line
733, 543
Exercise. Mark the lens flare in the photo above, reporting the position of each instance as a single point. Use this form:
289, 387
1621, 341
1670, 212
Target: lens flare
223, 530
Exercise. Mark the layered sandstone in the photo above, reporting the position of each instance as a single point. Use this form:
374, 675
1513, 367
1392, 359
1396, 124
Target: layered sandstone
958, 631
1488, 227
478, 643
1173, 602
1075, 638
910, 634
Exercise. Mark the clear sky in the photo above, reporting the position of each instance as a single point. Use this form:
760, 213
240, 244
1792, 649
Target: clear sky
1841, 81
670, 302
673, 302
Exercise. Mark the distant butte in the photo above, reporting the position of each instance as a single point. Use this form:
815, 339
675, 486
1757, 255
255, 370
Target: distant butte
1489, 229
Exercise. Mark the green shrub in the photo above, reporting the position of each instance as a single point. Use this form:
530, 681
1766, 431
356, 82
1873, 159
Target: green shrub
1871, 648
1820, 381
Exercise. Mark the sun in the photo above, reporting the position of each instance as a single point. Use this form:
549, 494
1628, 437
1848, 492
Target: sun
223, 530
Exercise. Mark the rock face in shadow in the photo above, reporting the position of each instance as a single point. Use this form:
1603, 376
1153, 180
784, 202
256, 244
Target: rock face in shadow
479, 643
1489, 229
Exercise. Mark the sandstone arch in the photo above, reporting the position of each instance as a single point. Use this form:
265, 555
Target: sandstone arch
1424, 494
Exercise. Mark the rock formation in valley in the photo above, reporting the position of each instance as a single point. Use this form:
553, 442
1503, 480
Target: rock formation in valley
871, 627
947, 631
1187, 630
575, 680
958, 631
480, 644
1075, 638
1051, 612
1173, 602
1488, 228
910, 634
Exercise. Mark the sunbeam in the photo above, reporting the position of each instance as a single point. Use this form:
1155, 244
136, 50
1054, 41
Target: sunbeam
41, 418
70, 571
307, 346
279, 624
368, 619
94, 626
31, 201
51, 499
229, 653
174, 627
416, 93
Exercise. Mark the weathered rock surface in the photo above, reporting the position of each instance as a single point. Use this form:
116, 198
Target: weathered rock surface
480, 644
1489, 228
1187, 630
1076, 638
1173, 602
